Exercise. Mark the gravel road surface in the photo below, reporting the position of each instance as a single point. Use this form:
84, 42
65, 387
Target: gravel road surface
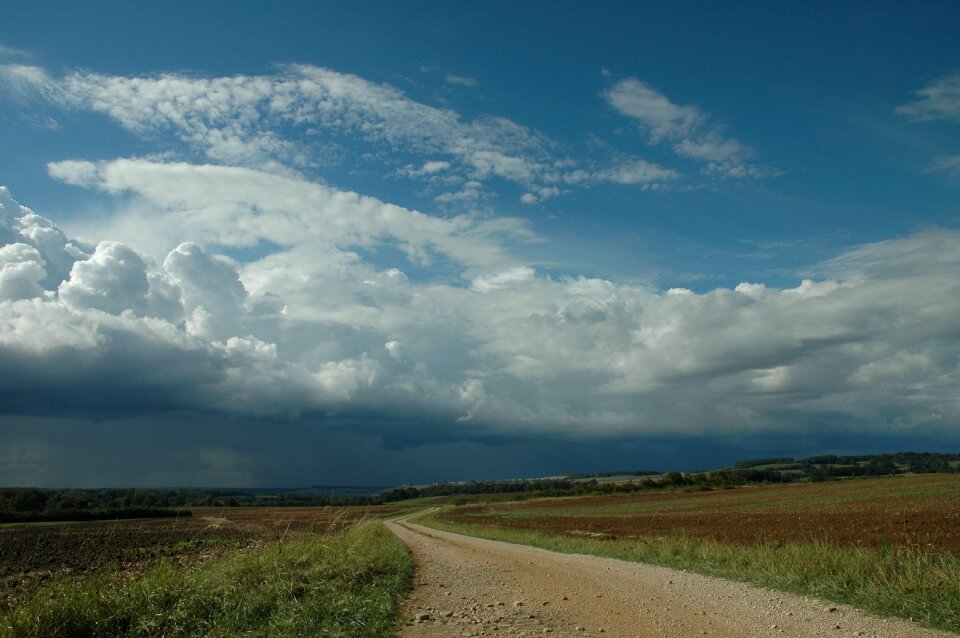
473, 587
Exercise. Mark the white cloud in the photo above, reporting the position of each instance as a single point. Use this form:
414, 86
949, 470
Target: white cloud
461, 80
318, 314
501, 279
663, 119
529, 198
690, 131
21, 271
75, 172
23, 81
473, 395
240, 207
287, 123
939, 101
638, 172
11, 52
242, 120
212, 295
311, 326
540, 195
428, 169
950, 164
710, 148
113, 279
395, 348
19, 224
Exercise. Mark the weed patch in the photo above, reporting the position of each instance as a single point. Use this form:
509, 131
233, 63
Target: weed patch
345, 584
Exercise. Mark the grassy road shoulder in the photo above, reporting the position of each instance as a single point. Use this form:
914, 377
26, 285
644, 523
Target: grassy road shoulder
890, 582
345, 583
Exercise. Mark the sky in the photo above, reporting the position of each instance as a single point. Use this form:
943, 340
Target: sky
291, 244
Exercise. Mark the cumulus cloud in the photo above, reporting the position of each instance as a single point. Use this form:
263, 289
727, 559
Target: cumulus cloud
21, 270
688, 129
210, 289
123, 332
871, 336
113, 279
240, 287
19, 224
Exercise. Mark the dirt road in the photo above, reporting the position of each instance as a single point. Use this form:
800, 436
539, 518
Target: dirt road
472, 587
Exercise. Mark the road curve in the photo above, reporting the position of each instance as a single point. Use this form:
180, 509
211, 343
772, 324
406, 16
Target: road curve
466, 586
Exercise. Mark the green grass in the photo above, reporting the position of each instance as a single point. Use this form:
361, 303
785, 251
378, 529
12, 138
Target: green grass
342, 584
171, 549
889, 582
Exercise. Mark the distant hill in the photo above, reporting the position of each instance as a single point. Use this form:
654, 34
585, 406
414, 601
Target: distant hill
57, 504
762, 470
831, 465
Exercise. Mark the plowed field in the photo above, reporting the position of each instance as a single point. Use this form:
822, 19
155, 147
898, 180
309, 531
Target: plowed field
920, 512
30, 554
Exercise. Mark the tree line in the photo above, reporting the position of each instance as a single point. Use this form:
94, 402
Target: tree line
753, 471
35, 505
30, 504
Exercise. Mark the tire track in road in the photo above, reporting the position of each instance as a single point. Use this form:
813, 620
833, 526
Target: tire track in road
467, 586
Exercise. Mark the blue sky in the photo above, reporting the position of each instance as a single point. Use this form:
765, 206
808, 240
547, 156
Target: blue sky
451, 241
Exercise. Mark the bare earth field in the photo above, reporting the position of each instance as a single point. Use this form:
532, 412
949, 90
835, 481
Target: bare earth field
473, 587
33, 553
920, 512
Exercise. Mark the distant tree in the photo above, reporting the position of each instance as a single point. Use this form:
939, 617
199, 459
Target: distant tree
29, 501
672, 479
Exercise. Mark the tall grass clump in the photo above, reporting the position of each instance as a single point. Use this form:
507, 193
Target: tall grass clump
901, 582
342, 584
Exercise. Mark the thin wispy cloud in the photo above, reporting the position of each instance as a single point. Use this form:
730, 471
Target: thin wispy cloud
949, 164
246, 120
461, 80
689, 130
938, 101
13, 53
243, 119
642, 172
24, 81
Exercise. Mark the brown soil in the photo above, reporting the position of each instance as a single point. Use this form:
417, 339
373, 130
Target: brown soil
32, 554
921, 513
